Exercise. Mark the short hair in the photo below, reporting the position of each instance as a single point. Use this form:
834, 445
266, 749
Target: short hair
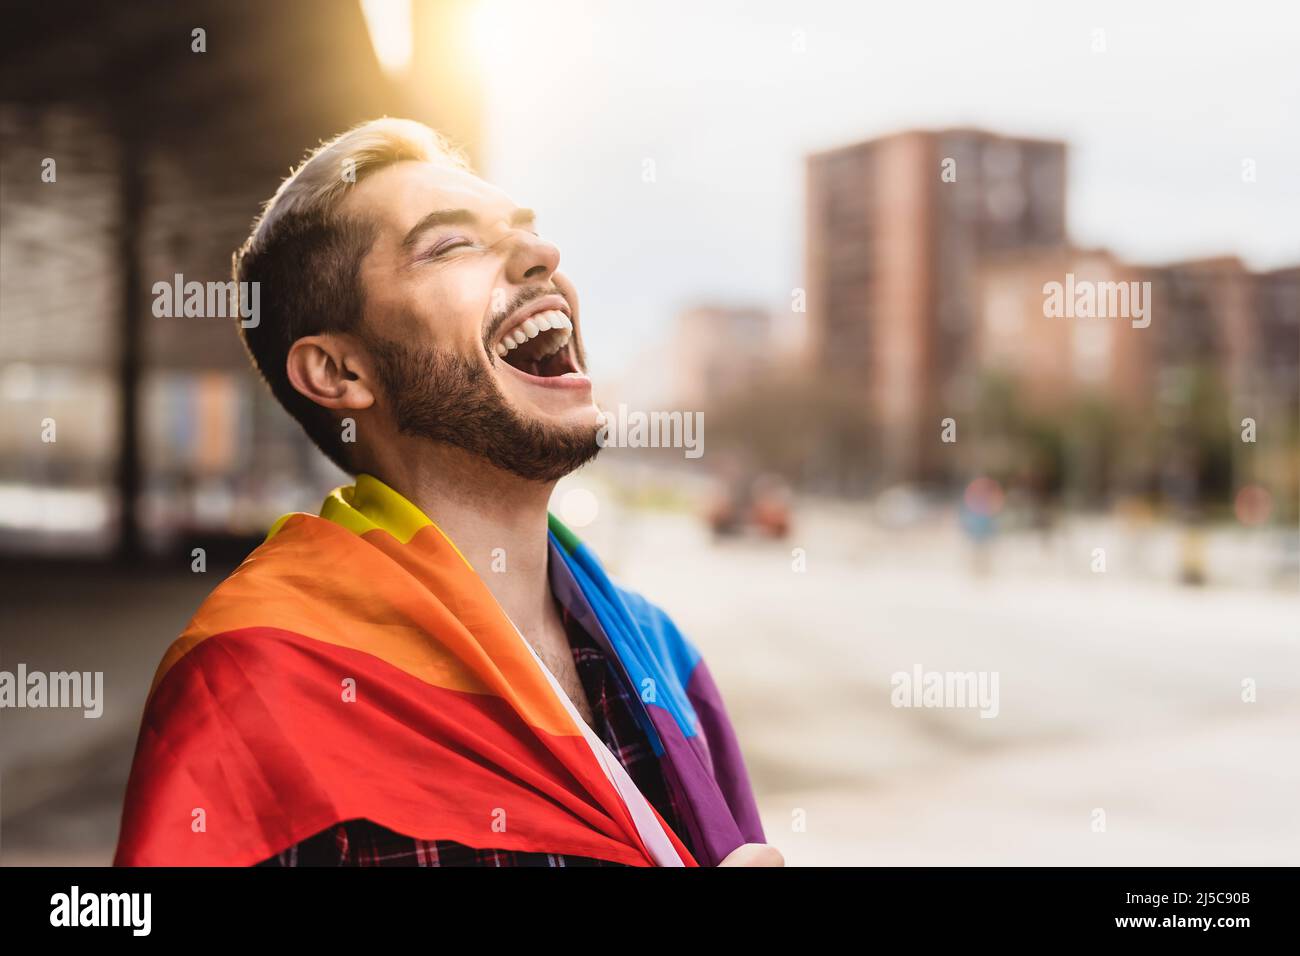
306, 256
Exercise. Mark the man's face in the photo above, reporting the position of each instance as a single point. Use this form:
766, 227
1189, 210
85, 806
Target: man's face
474, 334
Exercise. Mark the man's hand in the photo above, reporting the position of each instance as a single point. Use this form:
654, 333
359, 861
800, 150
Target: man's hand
754, 854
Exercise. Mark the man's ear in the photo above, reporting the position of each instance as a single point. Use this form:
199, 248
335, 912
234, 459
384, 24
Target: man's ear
330, 370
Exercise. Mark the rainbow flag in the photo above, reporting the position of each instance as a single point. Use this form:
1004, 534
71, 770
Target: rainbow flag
356, 666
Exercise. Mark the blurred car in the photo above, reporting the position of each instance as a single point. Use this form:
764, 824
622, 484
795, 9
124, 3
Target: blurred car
750, 504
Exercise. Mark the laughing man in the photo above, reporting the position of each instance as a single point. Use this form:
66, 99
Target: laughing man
433, 671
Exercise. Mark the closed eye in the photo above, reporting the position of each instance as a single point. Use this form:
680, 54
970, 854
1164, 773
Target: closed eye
446, 246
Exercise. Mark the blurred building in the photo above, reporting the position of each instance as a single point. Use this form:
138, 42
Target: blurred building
1217, 345
1244, 324
1052, 360
1277, 305
1209, 314
720, 351
928, 262
165, 143
896, 229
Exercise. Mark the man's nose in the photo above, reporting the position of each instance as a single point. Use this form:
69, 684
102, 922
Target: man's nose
532, 259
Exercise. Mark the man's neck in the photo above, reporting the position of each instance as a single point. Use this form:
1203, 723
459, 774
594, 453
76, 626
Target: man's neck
497, 520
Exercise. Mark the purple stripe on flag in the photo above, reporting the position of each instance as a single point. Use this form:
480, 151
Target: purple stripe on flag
707, 774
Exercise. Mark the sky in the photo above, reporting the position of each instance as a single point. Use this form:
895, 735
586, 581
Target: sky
726, 98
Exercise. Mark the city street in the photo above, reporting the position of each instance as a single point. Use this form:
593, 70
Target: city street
1116, 694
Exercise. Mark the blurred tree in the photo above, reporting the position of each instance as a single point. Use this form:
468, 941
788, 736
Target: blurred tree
813, 433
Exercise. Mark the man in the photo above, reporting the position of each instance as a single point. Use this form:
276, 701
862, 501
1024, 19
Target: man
432, 671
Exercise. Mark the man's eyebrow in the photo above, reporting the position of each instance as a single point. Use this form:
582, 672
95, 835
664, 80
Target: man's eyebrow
459, 217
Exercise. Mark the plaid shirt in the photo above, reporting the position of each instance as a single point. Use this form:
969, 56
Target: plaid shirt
363, 843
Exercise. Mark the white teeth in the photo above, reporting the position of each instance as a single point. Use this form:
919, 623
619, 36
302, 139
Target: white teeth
535, 325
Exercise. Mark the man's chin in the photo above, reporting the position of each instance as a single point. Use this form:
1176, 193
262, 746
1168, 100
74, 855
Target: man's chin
573, 426
551, 451
535, 431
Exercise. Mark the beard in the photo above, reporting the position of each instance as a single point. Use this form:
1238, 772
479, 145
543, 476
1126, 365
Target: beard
445, 397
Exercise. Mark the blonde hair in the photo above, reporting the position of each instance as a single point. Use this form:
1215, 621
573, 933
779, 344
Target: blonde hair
321, 181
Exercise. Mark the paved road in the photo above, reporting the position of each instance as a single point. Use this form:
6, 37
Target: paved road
1117, 692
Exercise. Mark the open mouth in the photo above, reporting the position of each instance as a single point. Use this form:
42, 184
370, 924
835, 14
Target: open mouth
540, 345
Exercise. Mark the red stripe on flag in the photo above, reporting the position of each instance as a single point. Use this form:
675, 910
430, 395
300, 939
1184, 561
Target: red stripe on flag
250, 734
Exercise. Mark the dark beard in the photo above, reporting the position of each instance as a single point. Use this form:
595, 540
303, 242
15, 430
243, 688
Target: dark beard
445, 397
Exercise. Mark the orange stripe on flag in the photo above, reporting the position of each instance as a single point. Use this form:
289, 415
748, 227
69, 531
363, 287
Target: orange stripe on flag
417, 606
